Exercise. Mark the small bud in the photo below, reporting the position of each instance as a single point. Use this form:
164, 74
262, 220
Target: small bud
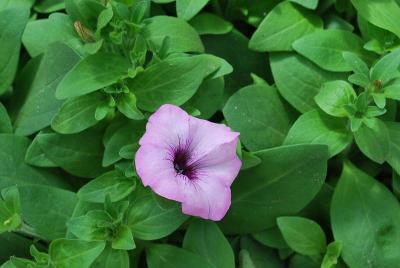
377, 85
84, 33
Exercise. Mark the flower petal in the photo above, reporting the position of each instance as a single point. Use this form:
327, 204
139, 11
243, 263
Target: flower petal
167, 127
206, 136
221, 164
156, 171
206, 200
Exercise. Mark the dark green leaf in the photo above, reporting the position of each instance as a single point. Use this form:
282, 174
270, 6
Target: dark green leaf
394, 151
12, 25
167, 256
5, 122
149, 221
14, 170
78, 114
383, 14
183, 37
47, 209
187, 9
79, 154
208, 23
317, 128
66, 253
258, 114
366, 219
325, 48
172, 81
287, 179
112, 183
37, 102
303, 235
299, 80
373, 140
92, 73
254, 255
206, 239
285, 24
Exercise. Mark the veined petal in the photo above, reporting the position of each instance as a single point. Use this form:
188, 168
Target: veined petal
205, 136
156, 170
167, 127
205, 199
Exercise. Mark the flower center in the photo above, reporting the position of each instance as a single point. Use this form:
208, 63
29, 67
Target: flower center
180, 159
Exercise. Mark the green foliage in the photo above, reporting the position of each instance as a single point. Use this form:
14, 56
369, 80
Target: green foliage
312, 87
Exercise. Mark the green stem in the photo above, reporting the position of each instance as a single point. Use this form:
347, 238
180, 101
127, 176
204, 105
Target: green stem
27, 230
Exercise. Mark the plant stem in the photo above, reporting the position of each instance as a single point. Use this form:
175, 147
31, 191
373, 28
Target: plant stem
27, 230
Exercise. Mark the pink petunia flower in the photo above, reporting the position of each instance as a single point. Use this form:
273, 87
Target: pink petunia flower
189, 160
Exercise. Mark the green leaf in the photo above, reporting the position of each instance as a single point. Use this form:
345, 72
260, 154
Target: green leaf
10, 210
206, 239
120, 133
112, 183
373, 140
149, 221
35, 156
366, 219
40, 257
78, 114
283, 25
208, 23
233, 47
271, 237
249, 160
66, 253
332, 255
37, 102
16, 245
299, 80
303, 235
287, 179
5, 122
208, 98
48, 6
112, 258
254, 255
92, 73
387, 67
172, 81
42, 205
14, 170
167, 256
91, 226
383, 14
301, 261
79, 154
187, 9
311, 4
315, 127
85, 11
334, 96
357, 64
40, 34
127, 106
257, 112
183, 37
325, 48
392, 90
394, 149
123, 239
12, 25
